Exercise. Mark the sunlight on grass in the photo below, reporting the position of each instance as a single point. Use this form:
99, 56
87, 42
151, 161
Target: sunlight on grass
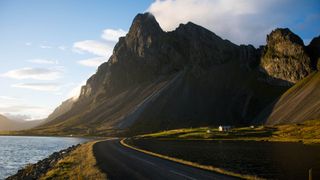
80, 164
308, 132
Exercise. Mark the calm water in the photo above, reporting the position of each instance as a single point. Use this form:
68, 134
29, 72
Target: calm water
271, 160
17, 151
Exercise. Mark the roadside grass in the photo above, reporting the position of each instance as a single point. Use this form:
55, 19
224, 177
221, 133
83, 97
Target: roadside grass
307, 132
80, 164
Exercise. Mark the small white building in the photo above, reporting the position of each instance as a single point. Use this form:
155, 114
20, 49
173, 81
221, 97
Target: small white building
224, 128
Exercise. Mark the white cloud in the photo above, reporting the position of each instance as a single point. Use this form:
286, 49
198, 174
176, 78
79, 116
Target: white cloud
45, 46
9, 98
241, 21
94, 47
113, 34
17, 108
35, 73
93, 62
39, 86
62, 48
43, 61
28, 43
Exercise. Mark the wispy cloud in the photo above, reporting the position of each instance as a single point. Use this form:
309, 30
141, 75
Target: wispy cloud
45, 46
62, 48
94, 47
93, 62
9, 98
43, 61
99, 48
35, 73
39, 86
17, 108
28, 43
32, 112
113, 34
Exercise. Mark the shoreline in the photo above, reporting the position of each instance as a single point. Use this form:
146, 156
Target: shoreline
65, 163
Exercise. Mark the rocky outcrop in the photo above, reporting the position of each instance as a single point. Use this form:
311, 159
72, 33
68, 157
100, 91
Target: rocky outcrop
35, 171
314, 52
285, 56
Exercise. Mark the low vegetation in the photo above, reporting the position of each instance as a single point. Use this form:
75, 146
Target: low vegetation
80, 164
307, 132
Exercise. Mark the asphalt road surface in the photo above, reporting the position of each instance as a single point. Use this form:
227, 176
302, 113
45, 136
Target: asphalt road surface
123, 163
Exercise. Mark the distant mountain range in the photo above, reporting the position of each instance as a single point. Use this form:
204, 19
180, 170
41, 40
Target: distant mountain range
191, 77
7, 124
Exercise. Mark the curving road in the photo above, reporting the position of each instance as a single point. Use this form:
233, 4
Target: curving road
123, 163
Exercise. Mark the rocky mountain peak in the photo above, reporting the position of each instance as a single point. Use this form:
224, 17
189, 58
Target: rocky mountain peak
144, 25
283, 35
285, 56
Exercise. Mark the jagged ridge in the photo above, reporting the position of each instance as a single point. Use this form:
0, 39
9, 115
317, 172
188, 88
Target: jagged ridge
188, 77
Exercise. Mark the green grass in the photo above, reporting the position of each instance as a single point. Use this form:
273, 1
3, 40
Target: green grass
308, 132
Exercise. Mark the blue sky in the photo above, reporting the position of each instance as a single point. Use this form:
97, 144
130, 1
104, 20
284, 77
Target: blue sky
49, 48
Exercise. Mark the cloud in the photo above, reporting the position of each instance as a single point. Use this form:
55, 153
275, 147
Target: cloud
45, 47
241, 21
62, 48
17, 108
28, 43
100, 48
43, 61
35, 73
33, 112
39, 86
94, 47
9, 98
113, 34
93, 62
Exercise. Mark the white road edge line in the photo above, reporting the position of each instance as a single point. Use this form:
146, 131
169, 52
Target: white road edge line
146, 161
188, 177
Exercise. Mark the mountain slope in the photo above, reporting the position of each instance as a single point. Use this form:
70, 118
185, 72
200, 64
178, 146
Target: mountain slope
12, 125
300, 103
188, 77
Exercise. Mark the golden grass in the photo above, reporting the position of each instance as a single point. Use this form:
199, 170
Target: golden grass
193, 164
307, 132
79, 164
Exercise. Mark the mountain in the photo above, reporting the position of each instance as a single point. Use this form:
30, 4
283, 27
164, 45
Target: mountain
13, 125
188, 77
300, 103
64, 107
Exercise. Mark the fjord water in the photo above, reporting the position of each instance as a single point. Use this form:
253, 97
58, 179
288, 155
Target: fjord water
18, 151
270, 160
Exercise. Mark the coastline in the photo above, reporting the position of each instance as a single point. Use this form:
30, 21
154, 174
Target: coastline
75, 160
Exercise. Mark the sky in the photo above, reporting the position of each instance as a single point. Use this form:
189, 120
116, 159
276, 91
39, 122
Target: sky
48, 49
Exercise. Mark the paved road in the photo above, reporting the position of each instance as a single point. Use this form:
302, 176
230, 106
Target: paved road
120, 162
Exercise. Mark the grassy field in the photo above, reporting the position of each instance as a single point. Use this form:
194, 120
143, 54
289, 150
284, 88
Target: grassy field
80, 164
308, 132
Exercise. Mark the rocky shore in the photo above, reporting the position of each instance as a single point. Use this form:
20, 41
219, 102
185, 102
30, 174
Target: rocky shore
35, 171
